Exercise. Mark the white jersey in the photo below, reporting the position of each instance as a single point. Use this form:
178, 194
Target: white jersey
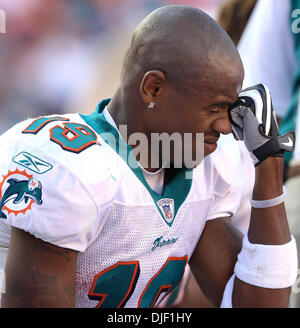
63, 183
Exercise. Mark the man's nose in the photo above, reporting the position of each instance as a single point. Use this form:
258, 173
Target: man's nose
222, 124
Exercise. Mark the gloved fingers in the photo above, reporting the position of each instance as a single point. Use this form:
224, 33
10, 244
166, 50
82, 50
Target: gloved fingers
236, 118
258, 98
237, 132
236, 123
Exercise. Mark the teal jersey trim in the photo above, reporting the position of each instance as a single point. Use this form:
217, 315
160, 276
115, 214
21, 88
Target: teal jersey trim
177, 189
289, 120
173, 296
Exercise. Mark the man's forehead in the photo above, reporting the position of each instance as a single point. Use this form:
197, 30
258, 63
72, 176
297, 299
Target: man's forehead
223, 85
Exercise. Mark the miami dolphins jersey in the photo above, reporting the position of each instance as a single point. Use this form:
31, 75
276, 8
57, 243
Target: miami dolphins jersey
71, 181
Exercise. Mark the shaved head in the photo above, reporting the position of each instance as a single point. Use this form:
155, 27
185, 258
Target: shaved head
182, 42
183, 64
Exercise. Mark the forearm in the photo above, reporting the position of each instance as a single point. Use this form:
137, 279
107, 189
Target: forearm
42, 291
38, 274
268, 226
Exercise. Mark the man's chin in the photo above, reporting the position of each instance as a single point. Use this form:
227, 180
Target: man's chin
209, 148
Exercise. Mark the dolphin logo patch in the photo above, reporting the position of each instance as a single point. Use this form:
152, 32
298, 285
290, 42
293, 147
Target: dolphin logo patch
18, 191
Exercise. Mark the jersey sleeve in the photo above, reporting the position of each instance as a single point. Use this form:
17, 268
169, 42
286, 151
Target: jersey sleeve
53, 194
228, 179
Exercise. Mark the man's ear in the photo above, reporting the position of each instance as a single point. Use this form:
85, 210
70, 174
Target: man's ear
152, 85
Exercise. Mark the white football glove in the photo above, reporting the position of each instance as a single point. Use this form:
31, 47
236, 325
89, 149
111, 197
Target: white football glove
254, 121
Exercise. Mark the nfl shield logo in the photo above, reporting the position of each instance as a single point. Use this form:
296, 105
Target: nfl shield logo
166, 206
167, 211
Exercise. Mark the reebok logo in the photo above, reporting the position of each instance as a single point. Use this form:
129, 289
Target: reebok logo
32, 163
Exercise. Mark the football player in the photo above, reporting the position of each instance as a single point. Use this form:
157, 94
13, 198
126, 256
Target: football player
93, 227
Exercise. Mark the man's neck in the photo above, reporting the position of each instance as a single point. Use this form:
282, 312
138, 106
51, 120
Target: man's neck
123, 114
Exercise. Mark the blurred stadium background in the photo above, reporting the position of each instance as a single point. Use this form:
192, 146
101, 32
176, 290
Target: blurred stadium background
60, 56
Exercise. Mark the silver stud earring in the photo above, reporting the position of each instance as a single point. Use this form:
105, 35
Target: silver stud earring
151, 105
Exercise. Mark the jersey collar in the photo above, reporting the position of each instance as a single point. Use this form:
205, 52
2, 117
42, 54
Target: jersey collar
176, 190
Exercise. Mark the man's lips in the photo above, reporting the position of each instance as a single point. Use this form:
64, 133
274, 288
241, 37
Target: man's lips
211, 140
210, 144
